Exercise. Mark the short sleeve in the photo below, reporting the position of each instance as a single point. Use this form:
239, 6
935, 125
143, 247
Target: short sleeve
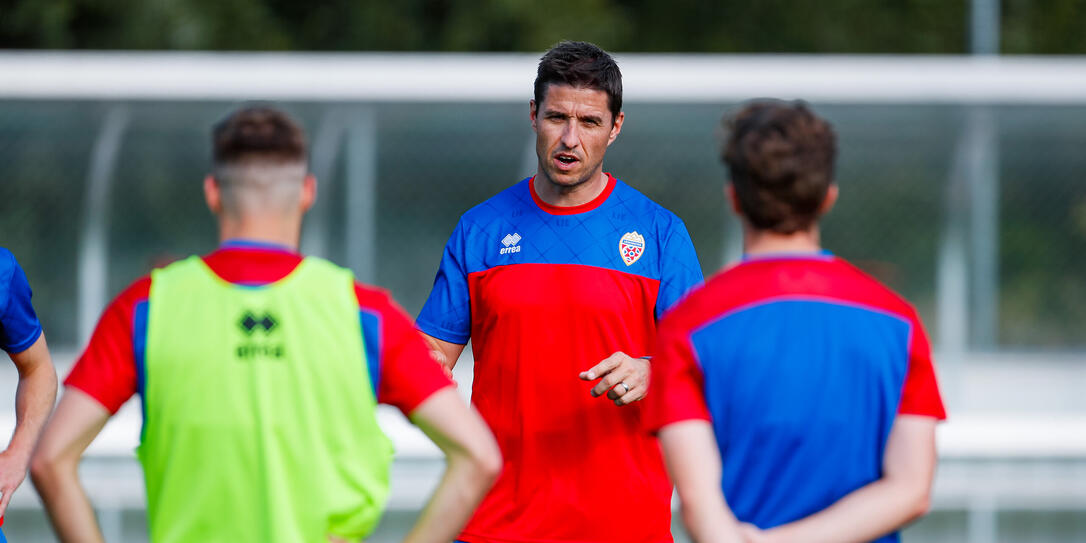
406, 375
680, 270
106, 371
19, 325
447, 312
920, 395
676, 390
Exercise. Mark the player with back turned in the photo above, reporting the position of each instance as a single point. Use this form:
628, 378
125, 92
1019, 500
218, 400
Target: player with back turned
558, 281
794, 393
259, 370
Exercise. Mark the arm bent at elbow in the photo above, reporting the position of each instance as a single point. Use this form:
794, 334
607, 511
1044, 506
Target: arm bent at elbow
54, 466
473, 463
34, 399
693, 462
909, 463
902, 495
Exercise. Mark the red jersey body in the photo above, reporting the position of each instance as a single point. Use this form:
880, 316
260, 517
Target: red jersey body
545, 293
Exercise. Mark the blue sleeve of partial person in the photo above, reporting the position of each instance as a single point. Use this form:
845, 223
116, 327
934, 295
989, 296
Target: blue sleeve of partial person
680, 271
19, 325
447, 312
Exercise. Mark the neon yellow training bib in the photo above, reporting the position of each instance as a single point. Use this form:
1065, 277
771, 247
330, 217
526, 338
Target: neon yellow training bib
260, 418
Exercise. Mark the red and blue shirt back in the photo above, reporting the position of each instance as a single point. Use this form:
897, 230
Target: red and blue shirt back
801, 363
402, 371
544, 293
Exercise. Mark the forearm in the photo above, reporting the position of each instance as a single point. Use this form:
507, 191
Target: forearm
66, 503
865, 514
473, 462
55, 466
709, 522
900, 496
34, 399
461, 489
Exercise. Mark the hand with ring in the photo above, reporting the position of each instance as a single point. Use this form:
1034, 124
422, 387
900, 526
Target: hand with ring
623, 379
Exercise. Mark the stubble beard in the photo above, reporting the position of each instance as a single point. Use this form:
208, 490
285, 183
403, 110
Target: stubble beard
568, 188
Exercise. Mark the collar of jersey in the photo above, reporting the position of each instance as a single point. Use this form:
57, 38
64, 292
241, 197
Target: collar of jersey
573, 210
242, 243
822, 254
251, 263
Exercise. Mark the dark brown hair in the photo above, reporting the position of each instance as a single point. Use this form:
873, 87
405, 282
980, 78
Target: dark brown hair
258, 132
580, 64
781, 157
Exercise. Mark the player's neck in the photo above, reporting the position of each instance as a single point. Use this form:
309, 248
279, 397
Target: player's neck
263, 229
569, 196
765, 241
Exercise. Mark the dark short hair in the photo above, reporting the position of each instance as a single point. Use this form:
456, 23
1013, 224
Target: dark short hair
258, 132
780, 157
580, 64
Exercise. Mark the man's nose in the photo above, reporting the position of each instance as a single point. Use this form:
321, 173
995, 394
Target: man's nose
570, 137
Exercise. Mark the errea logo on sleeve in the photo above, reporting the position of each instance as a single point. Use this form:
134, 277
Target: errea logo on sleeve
510, 242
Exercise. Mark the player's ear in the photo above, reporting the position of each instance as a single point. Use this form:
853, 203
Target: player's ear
533, 112
309, 192
829, 200
733, 200
616, 127
213, 195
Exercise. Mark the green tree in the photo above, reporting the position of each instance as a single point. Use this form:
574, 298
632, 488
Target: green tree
1044, 27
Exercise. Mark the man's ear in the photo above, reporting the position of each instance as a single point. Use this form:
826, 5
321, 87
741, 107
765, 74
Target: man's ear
616, 127
309, 192
533, 112
213, 195
733, 200
829, 200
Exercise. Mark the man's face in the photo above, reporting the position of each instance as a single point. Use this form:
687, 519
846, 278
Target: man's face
573, 128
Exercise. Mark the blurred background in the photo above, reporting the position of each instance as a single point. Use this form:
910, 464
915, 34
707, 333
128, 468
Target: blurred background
962, 129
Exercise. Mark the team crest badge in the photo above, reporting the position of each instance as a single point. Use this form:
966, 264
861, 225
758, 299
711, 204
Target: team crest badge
631, 247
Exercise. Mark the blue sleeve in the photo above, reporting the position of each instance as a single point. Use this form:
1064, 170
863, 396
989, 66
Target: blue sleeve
19, 326
680, 270
447, 313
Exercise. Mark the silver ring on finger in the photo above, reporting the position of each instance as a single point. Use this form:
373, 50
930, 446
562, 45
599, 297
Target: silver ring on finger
625, 386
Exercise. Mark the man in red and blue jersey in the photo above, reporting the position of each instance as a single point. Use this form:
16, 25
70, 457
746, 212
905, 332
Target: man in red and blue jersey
22, 338
793, 382
259, 192
558, 282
